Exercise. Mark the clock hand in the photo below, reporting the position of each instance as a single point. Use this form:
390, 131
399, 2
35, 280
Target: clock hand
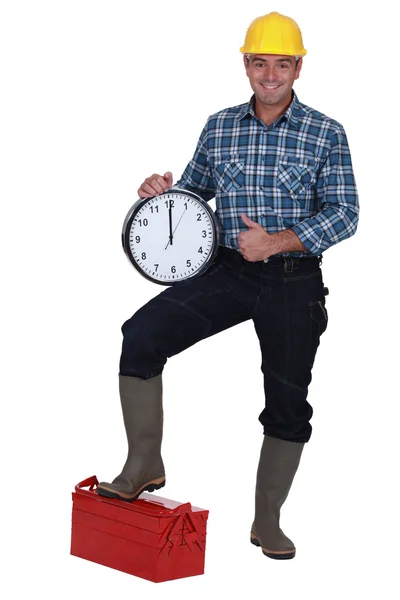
176, 227
170, 225
179, 222
171, 233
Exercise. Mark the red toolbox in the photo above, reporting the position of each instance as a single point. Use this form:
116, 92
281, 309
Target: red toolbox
153, 538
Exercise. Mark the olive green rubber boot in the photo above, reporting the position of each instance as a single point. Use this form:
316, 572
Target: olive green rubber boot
141, 401
279, 461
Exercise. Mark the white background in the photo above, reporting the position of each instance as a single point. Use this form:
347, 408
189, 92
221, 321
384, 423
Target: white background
95, 97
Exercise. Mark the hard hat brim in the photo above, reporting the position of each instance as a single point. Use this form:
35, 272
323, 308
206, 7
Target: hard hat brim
302, 53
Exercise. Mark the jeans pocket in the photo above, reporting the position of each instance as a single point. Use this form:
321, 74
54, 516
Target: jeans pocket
318, 324
213, 270
319, 315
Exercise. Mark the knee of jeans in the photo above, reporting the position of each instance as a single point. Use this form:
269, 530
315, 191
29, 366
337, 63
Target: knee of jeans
139, 357
137, 336
131, 328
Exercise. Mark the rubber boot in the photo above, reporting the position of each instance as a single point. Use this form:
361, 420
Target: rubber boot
279, 461
141, 401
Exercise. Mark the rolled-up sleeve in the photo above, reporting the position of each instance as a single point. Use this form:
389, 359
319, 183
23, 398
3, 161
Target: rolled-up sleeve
337, 198
197, 177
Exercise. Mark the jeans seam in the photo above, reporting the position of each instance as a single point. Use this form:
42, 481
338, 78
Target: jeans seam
285, 381
299, 277
192, 310
287, 327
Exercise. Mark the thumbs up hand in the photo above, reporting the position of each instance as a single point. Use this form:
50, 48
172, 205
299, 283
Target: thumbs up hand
255, 244
251, 224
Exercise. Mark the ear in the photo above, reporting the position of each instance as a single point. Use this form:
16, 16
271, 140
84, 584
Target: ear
246, 64
298, 67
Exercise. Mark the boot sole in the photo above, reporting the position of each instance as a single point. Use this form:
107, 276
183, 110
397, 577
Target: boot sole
280, 555
156, 484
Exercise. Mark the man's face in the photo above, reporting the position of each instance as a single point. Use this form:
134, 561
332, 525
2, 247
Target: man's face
271, 77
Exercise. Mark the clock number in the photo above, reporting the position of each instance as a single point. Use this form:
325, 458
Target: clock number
200, 250
145, 222
186, 205
143, 255
137, 238
173, 269
156, 266
188, 263
204, 234
154, 207
198, 216
170, 203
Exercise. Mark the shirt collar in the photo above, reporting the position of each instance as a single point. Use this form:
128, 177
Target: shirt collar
293, 114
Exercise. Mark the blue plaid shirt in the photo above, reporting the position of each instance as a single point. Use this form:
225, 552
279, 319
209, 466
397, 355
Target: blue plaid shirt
293, 174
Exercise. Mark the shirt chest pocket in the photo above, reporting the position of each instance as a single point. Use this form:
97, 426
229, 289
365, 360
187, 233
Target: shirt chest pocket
296, 175
229, 173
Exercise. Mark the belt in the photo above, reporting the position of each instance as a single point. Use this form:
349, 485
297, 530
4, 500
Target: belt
289, 263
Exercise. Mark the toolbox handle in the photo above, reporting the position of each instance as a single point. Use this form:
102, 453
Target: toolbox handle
182, 508
90, 482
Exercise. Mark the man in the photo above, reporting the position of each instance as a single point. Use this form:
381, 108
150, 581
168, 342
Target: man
282, 177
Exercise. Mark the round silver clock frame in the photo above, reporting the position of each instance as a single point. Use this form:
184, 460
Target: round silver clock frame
171, 238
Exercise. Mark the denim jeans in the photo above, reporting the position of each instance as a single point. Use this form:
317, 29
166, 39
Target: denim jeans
284, 297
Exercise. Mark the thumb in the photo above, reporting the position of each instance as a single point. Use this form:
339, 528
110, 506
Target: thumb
168, 178
248, 222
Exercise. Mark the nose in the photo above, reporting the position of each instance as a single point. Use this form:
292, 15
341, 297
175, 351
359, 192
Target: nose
269, 73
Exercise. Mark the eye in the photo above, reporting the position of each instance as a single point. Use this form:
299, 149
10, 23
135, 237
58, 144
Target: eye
283, 66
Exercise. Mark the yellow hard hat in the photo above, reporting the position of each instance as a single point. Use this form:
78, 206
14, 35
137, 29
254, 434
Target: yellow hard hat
274, 34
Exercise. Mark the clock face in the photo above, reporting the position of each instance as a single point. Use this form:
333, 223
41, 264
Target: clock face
171, 237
